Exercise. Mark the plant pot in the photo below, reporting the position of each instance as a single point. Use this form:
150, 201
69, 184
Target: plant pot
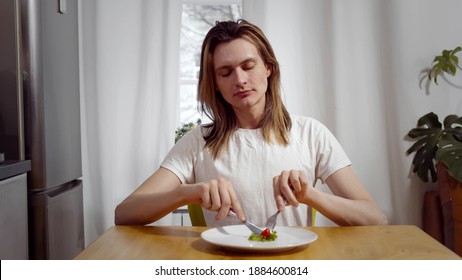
432, 216
450, 194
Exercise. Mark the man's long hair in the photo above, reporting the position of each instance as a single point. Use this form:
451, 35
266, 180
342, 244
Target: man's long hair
276, 122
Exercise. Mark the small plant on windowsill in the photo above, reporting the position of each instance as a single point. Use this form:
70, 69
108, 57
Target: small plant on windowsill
181, 131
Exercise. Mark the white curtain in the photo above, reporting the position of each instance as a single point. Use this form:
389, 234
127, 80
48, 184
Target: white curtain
355, 65
129, 100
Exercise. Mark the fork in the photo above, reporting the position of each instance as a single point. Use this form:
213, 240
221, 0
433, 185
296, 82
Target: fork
271, 222
251, 226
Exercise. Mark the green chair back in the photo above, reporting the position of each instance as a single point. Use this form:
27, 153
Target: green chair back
196, 215
313, 216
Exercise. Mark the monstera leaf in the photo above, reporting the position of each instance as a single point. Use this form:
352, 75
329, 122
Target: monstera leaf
450, 150
432, 138
425, 146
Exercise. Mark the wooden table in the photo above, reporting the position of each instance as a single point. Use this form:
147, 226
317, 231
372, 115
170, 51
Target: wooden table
337, 243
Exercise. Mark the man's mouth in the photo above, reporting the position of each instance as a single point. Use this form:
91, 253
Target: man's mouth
242, 93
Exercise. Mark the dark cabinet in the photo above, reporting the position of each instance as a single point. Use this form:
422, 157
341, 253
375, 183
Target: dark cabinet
13, 218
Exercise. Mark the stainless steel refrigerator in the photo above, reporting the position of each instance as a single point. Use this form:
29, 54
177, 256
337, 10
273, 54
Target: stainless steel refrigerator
40, 118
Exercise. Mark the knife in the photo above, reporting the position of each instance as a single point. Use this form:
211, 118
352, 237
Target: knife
251, 226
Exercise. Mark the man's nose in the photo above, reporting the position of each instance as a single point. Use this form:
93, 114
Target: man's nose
241, 77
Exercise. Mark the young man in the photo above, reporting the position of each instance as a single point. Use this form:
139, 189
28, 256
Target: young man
254, 157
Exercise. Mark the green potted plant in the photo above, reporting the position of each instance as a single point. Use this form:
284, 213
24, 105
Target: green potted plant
438, 152
185, 128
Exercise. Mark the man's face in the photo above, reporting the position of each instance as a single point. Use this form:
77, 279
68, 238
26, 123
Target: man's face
241, 76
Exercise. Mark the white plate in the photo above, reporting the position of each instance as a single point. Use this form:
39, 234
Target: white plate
236, 238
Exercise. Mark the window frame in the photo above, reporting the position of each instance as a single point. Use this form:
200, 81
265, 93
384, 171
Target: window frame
195, 81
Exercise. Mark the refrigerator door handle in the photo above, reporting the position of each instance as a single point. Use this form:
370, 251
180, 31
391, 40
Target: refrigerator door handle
17, 21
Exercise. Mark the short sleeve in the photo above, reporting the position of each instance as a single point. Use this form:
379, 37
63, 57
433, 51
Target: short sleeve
180, 159
330, 155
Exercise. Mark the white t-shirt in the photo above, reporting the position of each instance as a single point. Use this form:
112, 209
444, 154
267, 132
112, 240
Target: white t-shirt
250, 164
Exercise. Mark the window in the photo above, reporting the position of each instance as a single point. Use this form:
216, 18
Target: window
197, 18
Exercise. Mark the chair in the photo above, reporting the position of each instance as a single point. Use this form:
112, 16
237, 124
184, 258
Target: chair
197, 216
313, 216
